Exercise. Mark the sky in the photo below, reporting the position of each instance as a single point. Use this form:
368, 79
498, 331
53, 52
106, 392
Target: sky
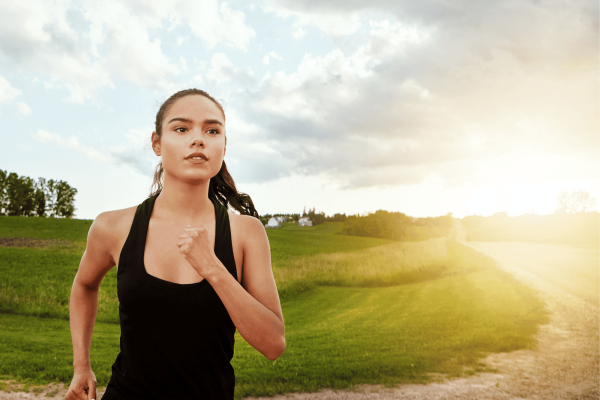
423, 107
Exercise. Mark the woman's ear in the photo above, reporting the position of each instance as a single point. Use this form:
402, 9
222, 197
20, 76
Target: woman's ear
155, 143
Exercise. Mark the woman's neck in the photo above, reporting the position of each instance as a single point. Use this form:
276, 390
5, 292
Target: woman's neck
182, 200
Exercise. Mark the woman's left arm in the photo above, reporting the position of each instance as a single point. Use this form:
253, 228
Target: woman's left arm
254, 308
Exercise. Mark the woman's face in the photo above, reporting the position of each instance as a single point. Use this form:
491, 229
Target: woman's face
192, 144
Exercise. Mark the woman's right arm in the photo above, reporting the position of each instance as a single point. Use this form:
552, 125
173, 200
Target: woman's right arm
97, 260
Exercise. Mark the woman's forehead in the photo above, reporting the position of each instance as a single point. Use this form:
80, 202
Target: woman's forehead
195, 107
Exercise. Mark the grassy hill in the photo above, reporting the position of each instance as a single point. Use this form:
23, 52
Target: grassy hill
357, 310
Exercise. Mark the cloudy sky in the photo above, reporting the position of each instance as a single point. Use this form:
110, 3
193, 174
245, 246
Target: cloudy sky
425, 107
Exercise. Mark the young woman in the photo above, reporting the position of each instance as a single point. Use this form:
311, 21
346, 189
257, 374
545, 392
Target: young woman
189, 274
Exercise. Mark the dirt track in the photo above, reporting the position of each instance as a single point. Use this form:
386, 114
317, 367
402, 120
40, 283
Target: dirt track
565, 364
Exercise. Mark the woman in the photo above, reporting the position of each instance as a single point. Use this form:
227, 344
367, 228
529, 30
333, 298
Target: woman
189, 271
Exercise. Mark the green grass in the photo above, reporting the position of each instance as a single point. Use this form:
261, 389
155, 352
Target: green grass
357, 310
291, 242
390, 264
38, 281
45, 228
336, 337
417, 233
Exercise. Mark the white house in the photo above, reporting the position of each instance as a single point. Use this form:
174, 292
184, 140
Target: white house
273, 223
304, 221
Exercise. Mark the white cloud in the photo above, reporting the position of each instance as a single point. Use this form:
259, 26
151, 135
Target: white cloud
72, 143
131, 157
7, 92
267, 58
332, 23
222, 70
216, 23
439, 97
84, 46
24, 109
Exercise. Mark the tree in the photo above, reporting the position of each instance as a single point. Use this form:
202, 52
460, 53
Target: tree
50, 193
315, 217
575, 201
19, 193
23, 196
3, 197
39, 198
65, 200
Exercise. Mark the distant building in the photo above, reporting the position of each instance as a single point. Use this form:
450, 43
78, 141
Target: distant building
304, 221
281, 219
273, 223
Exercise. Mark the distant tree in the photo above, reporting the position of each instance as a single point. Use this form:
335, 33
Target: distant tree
50, 193
39, 198
381, 224
23, 196
315, 217
337, 217
3, 196
19, 193
28, 193
65, 200
575, 201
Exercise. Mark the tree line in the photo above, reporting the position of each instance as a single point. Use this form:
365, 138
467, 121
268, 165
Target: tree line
27, 197
396, 225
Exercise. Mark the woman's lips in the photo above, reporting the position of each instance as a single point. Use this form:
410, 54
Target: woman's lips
196, 160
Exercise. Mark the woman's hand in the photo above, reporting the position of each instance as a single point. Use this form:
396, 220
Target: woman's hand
83, 386
194, 246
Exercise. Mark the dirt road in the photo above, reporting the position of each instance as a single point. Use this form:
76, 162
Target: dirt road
575, 270
565, 363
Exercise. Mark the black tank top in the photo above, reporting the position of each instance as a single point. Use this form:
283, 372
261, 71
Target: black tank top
176, 339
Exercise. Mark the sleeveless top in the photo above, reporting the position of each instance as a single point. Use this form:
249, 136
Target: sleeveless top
176, 339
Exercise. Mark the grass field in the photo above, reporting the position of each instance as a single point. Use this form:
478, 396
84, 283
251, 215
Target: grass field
357, 310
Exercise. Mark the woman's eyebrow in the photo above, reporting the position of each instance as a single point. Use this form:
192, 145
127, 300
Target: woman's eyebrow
212, 122
207, 121
189, 121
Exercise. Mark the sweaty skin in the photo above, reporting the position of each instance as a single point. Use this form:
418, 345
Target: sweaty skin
184, 217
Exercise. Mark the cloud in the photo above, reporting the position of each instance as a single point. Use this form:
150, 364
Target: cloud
72, 143
267, 59
222, 70
86, 45
462, 94
7, 92
129, 156
334, 24
24, 109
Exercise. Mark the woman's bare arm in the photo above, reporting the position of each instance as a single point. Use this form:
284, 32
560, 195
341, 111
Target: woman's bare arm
254, 308
98, 259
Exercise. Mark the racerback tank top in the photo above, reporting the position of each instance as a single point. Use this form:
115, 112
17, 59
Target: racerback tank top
176, 339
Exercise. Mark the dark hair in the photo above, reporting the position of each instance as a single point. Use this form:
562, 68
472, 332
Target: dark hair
221, 187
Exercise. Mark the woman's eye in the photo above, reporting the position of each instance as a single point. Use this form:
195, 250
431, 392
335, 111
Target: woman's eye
180, 129
213, 131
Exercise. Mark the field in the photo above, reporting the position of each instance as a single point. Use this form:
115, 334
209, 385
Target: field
357, 310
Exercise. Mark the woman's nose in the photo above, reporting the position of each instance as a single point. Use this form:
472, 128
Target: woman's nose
197, 142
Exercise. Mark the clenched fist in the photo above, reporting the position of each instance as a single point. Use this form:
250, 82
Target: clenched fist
82, 387
194, 246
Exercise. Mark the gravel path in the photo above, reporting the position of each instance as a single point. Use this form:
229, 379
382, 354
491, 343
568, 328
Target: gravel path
564, 365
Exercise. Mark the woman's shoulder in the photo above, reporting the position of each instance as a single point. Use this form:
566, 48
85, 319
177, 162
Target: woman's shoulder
111, 226
245, 225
